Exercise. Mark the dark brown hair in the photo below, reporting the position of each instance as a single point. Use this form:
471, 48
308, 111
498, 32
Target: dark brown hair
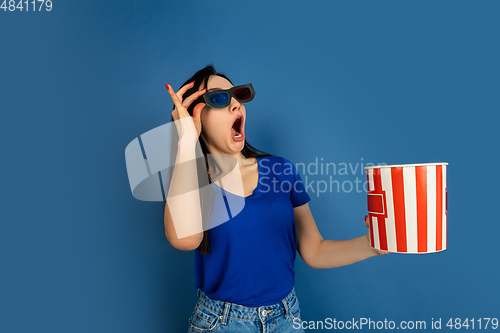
200, 79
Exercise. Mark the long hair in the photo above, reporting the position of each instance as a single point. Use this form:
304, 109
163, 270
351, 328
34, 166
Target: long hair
200, 79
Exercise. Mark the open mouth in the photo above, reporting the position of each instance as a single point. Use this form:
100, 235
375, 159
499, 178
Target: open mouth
237, 128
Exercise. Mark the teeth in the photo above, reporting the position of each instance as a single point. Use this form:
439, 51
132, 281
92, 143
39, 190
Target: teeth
236, 133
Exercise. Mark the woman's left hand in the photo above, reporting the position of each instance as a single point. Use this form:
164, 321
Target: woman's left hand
367, 223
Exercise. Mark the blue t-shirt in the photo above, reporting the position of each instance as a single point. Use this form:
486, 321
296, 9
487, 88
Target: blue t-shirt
252, 256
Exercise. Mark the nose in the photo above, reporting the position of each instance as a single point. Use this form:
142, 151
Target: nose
234, 105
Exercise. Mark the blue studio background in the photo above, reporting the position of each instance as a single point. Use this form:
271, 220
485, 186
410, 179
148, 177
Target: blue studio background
347, 81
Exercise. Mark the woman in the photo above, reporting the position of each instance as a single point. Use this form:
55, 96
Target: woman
245, 267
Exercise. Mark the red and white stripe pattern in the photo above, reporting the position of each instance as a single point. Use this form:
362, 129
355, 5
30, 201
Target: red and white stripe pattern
407, 207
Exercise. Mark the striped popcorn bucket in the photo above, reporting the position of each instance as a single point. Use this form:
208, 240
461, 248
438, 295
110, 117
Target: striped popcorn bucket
407, 207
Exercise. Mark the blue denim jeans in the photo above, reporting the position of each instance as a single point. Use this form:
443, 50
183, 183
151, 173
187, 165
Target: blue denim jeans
217, 316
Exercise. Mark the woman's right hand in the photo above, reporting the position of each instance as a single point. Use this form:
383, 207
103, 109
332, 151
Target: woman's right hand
186, 125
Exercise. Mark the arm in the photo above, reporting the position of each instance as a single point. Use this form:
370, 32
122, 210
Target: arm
319, 253
183, 216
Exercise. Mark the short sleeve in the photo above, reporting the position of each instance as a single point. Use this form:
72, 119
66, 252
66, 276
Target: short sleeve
298, 194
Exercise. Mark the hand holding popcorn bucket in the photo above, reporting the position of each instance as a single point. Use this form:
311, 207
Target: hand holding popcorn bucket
407, 207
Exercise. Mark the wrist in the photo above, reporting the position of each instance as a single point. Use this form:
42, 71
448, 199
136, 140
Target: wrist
188, 138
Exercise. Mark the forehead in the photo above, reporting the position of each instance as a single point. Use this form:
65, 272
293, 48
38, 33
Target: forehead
216, 81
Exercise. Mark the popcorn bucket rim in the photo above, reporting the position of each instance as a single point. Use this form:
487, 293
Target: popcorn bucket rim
403, 165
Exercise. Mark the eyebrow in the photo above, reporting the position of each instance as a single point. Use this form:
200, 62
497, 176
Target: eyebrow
212, 89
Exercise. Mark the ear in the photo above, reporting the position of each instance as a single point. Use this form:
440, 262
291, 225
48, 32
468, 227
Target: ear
197, 110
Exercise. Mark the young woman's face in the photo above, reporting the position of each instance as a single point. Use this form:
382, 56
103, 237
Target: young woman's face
216, 124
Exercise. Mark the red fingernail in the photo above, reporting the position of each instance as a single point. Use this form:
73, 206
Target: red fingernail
203, 89
190, 82
166, 85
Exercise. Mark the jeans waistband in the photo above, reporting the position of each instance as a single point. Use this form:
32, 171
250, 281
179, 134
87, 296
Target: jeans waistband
225, 309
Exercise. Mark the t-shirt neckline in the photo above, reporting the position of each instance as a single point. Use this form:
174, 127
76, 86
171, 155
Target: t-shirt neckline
256, 190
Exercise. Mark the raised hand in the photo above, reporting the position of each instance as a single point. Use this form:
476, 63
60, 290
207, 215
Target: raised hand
187, 125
